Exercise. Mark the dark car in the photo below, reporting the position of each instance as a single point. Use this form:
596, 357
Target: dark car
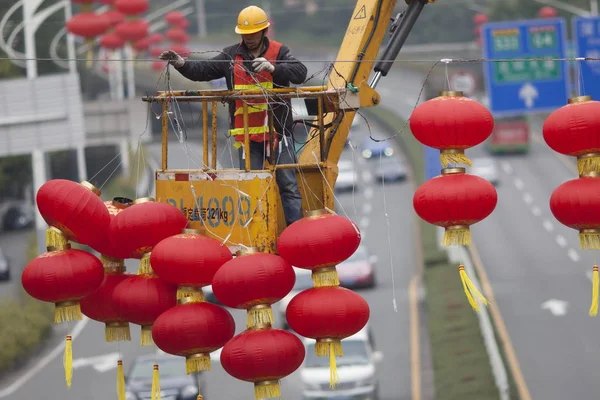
4, 267
175, 384
390, 169
371, 149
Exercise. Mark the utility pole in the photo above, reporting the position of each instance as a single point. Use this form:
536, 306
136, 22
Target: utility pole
201, 15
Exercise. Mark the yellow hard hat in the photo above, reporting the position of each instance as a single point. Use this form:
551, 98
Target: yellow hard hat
251, 20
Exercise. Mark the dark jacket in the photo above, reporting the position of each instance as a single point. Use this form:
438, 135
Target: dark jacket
285, 74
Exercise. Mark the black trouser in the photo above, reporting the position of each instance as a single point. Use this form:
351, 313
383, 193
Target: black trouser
286, 178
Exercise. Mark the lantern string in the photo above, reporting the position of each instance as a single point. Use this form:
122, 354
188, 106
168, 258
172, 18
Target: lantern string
581, 83
389, 237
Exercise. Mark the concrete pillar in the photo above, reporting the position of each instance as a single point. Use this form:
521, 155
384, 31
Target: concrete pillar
81, 164
38, 166
124, 150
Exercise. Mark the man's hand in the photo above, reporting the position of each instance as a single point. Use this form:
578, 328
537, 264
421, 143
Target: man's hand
173, 58
261, 64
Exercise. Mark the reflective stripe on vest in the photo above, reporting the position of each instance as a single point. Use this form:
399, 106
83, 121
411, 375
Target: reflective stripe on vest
258, 128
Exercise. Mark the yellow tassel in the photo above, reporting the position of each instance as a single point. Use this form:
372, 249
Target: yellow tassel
112, 263
457, 237
470, 289
117, 332
267, 390
120, 381
55, 239
325, 277
199, 397
452, 158
595, 284
68, 360
195, 294
331, 349
67, 311
155, 395
589, 239
145, 266
197, 363
259, 315
146, 336
585, 165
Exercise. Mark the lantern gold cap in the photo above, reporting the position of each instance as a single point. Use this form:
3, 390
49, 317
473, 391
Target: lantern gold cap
314, 213
143, 200
579, 99
121, 202
91, 187
247, 251
197, 231
590, 174
452, 93
453, 171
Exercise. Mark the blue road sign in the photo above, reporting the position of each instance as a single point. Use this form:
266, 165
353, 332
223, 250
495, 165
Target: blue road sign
433, 165
586, 35
527, 85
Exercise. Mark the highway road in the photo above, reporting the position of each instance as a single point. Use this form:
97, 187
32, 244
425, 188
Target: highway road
44, 374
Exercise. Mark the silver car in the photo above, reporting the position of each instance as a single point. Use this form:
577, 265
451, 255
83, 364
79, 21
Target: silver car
486, 168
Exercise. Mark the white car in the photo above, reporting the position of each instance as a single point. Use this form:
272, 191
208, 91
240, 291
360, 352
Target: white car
347, 176
356, 370
303, 282
486, 168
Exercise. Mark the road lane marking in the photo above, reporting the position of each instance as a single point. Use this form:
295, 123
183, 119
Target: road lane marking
366, 208
507, 167
511, 356
41, 364
367, 177
562, 242
527, 198
364, 223
415, 349
368, 193
548, 225
519, 183
536, 211
573, 255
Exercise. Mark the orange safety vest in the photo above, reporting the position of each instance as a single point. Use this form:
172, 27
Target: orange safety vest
258, 125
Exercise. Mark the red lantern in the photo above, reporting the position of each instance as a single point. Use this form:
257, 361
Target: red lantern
115, 17
451, 123
177, 35
174, 17
455, 200
576, 204
184, 24
319, 242
254, 281
112, 41
193, 330
479, 19
132, 7
142, 44
108, 250
158, 65
141, 299
155, 38
548, 12
189, 260
572, 130
88, 24
263, 357
155, 52
137, 229
75, 210
63, 277
133, 30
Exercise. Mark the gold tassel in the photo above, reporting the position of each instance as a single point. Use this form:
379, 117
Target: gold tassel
55, 239
595, 284
67, 311
118, 331
145, 266
325, 277
454, 157
267, 390
586, 165
199, 397
470, 289
195, 294
259, 315
197, 363
146, 336
120, 381
589, 239
68, 360
155, 395
457, 236
331, 348
112, 263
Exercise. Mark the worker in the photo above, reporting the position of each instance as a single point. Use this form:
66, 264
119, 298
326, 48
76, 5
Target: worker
257, 61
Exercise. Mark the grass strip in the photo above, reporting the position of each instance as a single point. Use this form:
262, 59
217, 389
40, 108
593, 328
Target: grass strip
461, 364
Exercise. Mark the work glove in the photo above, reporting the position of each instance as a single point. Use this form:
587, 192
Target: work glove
173, 58
261, 64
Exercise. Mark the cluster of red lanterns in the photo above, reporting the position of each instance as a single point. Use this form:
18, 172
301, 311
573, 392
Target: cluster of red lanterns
547, 12
89, 25
454, 200
478, 20
572, 130
177, 35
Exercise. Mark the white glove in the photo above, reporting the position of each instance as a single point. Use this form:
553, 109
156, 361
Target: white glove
173, 58
261, 64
